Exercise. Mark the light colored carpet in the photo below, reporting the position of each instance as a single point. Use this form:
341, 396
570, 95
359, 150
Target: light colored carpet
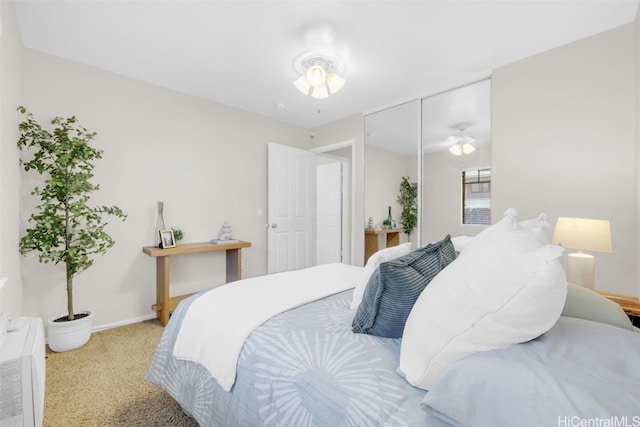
102, 383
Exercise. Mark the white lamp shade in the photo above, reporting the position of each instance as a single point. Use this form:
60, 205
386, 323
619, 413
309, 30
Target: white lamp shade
583, 234
462, 148
461, 144
320, 92
456, 149
334, 82
316, 76
302, 85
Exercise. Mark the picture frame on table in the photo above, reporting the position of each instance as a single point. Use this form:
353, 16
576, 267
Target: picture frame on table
167, 239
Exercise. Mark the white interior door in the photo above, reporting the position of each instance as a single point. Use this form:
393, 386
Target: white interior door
291, 210
329, 211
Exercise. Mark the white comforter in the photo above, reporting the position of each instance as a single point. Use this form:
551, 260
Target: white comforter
217, 324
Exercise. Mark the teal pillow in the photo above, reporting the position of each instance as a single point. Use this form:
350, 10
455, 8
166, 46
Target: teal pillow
395, 286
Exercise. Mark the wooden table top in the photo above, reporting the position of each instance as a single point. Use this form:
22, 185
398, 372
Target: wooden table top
630, 304
190, 248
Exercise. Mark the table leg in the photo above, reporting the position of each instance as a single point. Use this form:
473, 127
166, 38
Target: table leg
234, 265
162, 289
371, 245
393, 239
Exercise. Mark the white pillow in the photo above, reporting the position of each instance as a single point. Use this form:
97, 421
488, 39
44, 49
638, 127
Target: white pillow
460, 242
509, 222
510, 290
386, 254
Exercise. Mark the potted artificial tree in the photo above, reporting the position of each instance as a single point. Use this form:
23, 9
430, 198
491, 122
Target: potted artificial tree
64, 228
408, 199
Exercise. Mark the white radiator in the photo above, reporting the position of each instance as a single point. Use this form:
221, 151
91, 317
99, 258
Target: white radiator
22, 374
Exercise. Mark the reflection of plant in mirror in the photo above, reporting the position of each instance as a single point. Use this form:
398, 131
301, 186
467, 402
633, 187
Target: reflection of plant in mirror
408, 199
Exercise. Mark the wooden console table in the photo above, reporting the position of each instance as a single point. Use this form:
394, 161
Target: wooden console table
371, 244
630, 305
164, 303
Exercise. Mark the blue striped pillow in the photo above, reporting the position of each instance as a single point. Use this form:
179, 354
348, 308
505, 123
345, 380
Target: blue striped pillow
395, 286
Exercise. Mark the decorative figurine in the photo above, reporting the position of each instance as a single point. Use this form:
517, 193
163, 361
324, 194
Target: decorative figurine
225, 231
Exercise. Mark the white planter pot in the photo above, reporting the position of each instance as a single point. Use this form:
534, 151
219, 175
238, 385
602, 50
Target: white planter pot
69, 335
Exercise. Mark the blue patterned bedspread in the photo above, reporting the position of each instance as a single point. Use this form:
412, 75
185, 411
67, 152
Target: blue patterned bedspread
304, 367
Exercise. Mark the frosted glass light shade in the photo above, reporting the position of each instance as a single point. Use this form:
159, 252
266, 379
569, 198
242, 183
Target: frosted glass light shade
319, 79
316, 75
461, 144
302, 85
320, 92
462, 148
334, 82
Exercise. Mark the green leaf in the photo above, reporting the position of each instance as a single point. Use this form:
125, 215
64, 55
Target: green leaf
408, 200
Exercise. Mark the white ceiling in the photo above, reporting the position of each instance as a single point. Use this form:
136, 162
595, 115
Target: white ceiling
240, 53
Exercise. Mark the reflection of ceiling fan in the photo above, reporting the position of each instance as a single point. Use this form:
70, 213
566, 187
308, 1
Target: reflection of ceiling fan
461, 144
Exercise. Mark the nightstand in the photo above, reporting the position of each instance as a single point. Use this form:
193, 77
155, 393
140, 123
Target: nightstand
630, 305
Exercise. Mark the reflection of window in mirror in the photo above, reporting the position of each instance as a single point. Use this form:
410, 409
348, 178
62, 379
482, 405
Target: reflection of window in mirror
476, 196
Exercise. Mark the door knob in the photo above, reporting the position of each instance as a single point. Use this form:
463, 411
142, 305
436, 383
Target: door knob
274, 225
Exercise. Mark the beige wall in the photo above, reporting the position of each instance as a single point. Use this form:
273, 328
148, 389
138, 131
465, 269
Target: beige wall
564, 142
10, 98
441, 204
637, 122
207, 163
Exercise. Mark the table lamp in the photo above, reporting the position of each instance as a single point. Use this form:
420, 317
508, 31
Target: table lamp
583, 234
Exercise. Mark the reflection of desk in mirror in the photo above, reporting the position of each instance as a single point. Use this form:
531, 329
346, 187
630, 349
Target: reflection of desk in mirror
372, 240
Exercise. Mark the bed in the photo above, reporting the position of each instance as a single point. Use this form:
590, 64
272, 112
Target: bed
323, 360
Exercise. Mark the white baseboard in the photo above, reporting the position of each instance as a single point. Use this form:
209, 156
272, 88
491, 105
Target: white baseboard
123, 322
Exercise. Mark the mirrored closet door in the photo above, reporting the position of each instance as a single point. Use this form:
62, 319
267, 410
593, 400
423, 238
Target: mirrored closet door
392, 144
456, 162
443, 144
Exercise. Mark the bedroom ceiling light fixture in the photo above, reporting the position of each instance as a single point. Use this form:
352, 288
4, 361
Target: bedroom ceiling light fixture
582, 234
461, 144
319, 75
